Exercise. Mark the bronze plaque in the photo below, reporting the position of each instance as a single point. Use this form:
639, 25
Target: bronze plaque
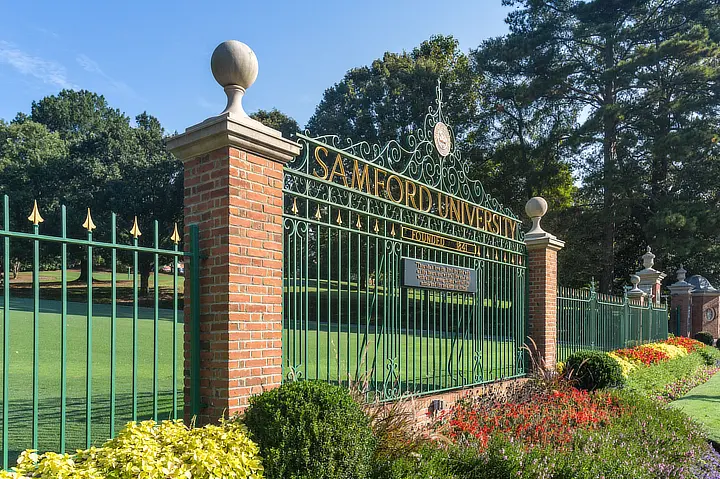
430, 275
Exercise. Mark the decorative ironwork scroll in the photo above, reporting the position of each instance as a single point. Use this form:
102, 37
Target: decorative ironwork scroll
353, 211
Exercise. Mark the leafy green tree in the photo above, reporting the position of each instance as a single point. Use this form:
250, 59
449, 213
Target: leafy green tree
30, 158
277, 120
618, 63
389, 99
519, 146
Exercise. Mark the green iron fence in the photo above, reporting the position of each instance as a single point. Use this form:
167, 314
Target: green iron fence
356, 216
587, 319
83, 349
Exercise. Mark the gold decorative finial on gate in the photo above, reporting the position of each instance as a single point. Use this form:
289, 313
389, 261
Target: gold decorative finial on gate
175, 238
392, 230
135, 231
294, 207
35, 215
377, 228
339, 218
358, 224
317, 214
89, 225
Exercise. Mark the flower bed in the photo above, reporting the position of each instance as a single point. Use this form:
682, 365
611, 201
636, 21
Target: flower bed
565, 433
543, 418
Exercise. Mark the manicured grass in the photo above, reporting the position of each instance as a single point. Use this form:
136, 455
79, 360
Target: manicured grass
417, 363
20, 364
703, 405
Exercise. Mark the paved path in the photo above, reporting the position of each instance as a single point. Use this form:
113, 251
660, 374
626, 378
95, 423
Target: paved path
703, 405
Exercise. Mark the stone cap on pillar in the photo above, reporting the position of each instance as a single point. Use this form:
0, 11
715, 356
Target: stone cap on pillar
536, 208
681, 286
235, 67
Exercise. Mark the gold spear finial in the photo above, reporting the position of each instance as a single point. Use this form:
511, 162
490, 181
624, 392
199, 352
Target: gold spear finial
175, 236
376, 229
89, 225
358, 224
35, 215
317, 214
294, 206
135, 231
392, 231
339, 218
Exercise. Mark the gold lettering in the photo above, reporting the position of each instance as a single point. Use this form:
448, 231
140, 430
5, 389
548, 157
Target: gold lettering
440, 198
389, 189
469, 213
487, 221
410, 197
339, 171
496, 222
360, 179
425, 191
321, 163
455, 210
379, 184
513, 227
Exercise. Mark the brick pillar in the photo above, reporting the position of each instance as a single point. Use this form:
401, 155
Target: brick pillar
705, 311
233, 192
542, 294
680, 297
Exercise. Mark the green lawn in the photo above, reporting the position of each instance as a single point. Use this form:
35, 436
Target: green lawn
703, 405
20, 363
413, 363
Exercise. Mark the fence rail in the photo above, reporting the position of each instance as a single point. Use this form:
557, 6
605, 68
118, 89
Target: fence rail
84, 351
587, 319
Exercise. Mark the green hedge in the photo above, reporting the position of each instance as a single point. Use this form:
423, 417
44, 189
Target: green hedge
311, 430
592, 370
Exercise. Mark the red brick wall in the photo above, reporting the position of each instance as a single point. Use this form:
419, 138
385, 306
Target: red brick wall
236, 199
542, 300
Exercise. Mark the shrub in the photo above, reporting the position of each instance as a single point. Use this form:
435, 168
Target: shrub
592, 370
169, 449
709, 355
705, 337
311, 430
626, 366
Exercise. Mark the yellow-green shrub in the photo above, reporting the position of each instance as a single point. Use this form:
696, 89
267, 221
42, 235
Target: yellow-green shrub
673, 352
625, 365
148, 450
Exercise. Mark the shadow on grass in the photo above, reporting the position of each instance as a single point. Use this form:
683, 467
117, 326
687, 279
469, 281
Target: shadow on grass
20, 422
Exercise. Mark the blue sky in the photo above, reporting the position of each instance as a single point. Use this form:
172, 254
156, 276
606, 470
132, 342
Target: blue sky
154, 55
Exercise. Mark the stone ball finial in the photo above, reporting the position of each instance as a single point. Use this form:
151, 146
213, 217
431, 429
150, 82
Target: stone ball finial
536, 208
635, 280
235, 67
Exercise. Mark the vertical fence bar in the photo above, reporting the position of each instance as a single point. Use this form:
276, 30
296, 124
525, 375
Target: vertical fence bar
195, 319
134, 407
6, 328
36, 336
63, 329
113, 319
156, 319
174, 333
88, 378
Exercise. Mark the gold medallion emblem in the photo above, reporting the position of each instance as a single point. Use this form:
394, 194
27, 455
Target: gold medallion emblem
441, 135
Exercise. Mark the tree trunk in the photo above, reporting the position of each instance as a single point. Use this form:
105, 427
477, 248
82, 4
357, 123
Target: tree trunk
609, 165
83, 270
